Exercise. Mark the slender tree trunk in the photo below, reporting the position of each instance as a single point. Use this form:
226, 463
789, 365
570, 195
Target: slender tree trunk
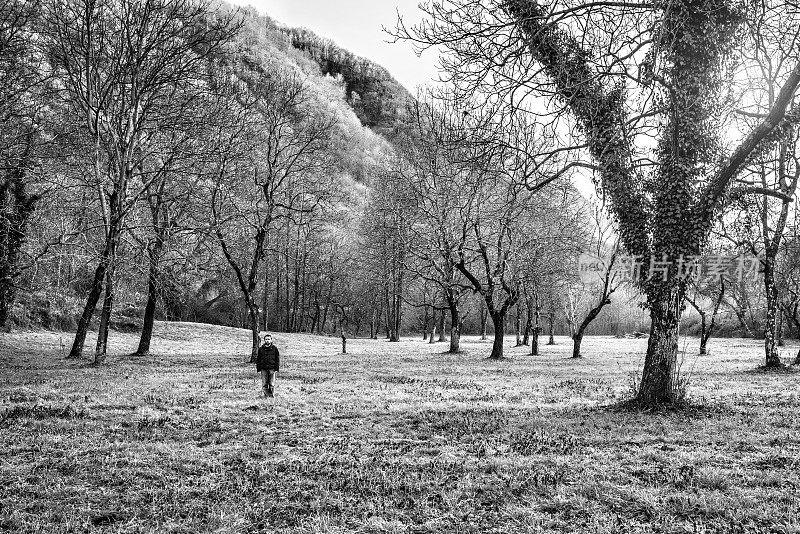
265, 298
703, 333
425, 319
154, 255
94, 296
395, 335
537, 323
327, 306
295, 298
484, 321
342, 332
149, 309
577, 338
498, 321
315, 320
105, 318
526, 337
455, 329
518, 326
287, 285
770, 346
551, 339
277, 299
252, 314
372, 324
389, 317
398, 316
442, 336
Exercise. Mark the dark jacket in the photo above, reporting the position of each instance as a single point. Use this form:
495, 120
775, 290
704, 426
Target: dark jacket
268, 358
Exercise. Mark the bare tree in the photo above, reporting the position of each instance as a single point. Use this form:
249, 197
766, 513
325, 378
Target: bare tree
605, 248
274, 173
707, 325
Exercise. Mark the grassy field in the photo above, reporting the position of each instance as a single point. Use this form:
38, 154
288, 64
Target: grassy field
393, 437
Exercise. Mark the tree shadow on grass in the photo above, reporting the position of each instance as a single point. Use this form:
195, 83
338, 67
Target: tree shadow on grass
781, 369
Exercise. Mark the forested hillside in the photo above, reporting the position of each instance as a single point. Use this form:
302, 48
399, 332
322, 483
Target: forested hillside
377, 98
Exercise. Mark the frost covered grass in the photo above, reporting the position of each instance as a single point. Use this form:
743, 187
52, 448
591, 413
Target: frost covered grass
393, 437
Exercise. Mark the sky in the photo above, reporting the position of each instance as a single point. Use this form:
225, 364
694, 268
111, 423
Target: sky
357, 26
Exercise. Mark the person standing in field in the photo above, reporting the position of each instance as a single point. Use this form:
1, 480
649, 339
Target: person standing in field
267, 363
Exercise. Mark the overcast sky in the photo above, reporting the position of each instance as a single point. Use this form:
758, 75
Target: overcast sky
356, 25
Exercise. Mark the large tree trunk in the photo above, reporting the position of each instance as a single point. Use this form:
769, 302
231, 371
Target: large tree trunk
658, 385
577, 339
498, 321
535, 341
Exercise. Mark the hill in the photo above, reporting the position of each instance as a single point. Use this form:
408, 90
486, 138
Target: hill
368, 89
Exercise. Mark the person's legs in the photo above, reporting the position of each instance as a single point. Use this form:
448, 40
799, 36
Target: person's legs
265, 381
271, 383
